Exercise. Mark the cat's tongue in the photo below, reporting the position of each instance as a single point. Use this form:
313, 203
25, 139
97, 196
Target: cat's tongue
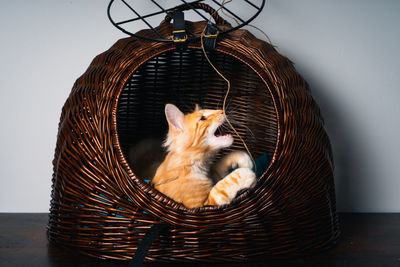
227, 136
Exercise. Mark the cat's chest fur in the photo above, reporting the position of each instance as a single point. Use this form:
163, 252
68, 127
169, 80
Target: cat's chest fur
191, 191
185, 178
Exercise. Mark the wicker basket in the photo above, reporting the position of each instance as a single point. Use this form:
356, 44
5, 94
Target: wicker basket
102, 209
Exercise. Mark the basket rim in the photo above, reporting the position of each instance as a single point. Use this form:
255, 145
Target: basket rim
235, 207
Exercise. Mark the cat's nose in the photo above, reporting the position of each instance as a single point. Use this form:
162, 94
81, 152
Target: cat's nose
220, 112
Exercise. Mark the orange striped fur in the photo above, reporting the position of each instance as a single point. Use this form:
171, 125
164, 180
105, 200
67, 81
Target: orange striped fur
187, 173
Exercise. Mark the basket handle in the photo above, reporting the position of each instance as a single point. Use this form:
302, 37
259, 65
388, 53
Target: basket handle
214, 14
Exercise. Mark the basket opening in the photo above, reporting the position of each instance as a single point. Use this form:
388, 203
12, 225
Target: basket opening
185, 78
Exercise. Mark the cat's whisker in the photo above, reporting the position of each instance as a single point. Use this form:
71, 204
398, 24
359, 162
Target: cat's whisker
227, 105
240, 124
232, 110
219, 101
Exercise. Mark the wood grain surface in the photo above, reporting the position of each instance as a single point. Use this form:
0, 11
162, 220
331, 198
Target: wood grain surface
367, 240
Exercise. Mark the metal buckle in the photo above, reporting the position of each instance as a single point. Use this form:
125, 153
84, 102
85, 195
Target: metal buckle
211, 35
177, 39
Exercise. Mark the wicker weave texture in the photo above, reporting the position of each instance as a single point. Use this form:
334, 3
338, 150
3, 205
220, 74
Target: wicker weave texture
102, 209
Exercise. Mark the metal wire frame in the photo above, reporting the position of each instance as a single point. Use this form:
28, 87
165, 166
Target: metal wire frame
168, 13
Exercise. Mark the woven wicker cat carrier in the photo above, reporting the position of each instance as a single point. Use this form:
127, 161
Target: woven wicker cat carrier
102, 209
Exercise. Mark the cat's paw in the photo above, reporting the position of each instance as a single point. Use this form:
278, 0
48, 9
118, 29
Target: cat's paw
242, 160
247, 178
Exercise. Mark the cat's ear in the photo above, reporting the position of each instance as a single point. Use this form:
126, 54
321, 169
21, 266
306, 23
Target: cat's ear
174, 117
197, 107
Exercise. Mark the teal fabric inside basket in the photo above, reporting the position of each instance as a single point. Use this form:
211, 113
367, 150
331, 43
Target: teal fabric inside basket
261, 164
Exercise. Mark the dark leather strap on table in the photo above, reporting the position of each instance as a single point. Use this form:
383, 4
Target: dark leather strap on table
145, 244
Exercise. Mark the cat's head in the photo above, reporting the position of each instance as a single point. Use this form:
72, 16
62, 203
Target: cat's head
197, 130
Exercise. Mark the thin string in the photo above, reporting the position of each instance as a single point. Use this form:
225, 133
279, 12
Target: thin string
228, 89
250, 25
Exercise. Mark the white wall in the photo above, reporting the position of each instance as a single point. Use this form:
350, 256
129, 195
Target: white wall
348, 51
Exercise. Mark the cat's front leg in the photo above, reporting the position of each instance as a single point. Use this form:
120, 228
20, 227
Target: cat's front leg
236, 159
227, 188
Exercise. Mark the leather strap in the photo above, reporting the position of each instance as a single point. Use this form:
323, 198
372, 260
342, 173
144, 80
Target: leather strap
145, 244
210, 37
179, 35
218, 20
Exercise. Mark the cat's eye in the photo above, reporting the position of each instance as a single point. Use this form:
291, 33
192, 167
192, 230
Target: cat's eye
203, 118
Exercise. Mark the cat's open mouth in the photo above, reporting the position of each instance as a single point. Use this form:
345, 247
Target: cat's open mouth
220, 132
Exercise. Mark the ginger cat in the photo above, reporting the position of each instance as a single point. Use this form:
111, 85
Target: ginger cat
187, 173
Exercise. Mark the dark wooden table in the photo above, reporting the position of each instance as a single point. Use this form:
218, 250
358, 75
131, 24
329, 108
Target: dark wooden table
367, 240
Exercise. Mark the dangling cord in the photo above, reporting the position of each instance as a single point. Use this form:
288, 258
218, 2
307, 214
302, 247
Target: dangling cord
250, 25
228, 89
